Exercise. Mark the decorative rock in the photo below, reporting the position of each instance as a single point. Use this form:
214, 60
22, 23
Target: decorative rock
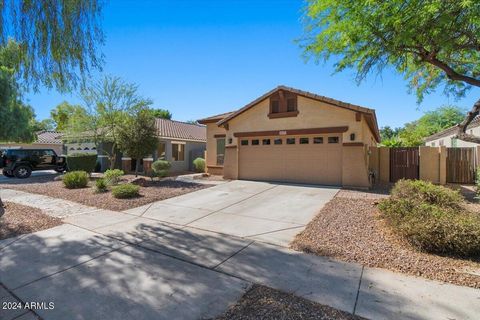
139, 181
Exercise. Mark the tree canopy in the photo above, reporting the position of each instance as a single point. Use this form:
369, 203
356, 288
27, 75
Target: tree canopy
433, 43
414, 133
62, 113
162, 113
58, 39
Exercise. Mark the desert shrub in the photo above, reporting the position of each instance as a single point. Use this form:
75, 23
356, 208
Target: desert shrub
112, 177
199, 164
432, 218
420, 191
161, 168
81, 162
477, 183
101, 185
75, 179
125, 191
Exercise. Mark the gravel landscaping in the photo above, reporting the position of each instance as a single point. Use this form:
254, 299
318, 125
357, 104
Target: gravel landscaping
151, 191
349, 228
262, 302
20, 219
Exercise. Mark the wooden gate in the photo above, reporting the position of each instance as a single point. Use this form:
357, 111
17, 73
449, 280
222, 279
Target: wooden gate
461, 165
404, 163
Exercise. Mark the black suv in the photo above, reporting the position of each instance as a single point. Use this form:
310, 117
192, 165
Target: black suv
21, 162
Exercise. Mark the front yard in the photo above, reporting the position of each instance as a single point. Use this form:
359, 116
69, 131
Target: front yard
350, 228
19, 219
150, 191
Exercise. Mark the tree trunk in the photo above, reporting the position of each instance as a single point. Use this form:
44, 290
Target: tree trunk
463, 126
2, 208
137, 167
113, 157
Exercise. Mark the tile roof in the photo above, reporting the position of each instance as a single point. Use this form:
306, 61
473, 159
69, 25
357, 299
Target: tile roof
49, 137
452, 130
216, 117
180, 130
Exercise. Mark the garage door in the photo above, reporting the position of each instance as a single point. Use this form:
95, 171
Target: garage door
300, 159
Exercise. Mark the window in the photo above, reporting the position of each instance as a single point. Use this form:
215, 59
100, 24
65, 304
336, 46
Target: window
278, 141
266, 142
220, 151
178, 152
244, 142
433, 144
290, 140
161, 151
440, 143
333, 139
275, 106
291, 104
255, 142
318, 140
303, 140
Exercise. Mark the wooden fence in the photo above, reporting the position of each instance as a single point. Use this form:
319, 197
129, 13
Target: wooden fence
404, 163
461, 165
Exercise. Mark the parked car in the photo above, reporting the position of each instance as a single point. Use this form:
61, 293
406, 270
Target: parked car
21, 162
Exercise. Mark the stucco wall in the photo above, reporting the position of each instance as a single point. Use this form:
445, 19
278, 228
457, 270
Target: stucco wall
312, 114
429, 164
448, 140
230, 169
355, 173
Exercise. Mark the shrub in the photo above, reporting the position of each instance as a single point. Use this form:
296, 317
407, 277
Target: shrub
112, 177
477, 183
161, 168
199, 164
125, 191
82, 162
75, 179
101, 185
432, 218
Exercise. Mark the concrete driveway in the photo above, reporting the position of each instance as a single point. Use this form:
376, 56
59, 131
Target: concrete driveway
268, 212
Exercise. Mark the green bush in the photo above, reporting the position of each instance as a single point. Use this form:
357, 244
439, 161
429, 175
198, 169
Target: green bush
82, 162
477, 183
432, 218
101, 185
75, 179
125, 191
161, 168
199, 164
112, 177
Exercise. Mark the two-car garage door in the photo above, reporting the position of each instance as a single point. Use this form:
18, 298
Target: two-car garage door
301, 159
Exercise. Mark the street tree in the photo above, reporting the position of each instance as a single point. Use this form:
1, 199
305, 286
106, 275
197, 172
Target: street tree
433, 43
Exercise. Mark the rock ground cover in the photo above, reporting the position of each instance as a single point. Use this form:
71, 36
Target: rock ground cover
349, 228
150, 191
19, 219
262, 302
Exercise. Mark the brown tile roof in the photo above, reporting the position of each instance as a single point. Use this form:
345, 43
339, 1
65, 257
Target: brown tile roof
181, 130
370, 113
49, 137
215, 118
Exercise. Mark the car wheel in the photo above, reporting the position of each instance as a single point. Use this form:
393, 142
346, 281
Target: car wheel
8, 174
22, 172
60, 169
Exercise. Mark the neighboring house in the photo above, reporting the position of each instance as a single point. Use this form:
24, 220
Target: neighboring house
293, 136
447, 137
44, 140
180, 143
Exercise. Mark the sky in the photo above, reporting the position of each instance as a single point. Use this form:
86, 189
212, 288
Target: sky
204, 57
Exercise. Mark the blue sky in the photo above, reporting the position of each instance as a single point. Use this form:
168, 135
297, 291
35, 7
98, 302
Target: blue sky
199, 58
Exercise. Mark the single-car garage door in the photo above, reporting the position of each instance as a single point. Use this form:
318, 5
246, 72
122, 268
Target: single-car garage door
302, 159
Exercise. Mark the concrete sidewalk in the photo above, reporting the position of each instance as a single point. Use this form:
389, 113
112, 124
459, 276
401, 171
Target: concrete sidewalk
105, 264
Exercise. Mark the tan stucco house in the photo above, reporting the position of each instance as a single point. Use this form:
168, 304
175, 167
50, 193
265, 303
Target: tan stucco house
448, 138
293, 136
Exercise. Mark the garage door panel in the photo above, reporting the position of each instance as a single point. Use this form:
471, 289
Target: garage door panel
300, 163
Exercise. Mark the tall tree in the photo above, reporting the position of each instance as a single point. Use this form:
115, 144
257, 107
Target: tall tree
63, 112
137, 135
432, 43
108, 102
162, 113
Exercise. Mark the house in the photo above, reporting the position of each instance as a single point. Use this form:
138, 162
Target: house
447, 137
179, 143
44, 140
293, 136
